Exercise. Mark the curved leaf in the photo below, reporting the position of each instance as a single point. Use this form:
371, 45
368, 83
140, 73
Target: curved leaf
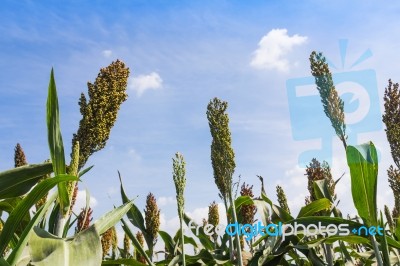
314, 207
18, 249
56, 145
17, 215
18, 181
363, 163
83, 249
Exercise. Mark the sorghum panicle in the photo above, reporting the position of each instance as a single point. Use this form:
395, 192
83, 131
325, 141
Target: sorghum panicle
247, 211
222, 154
317, 171
282, 199
84, 222
178, 165
394, 183
140, 238
106, 241
391, 118
333, 105
99, 114
19, 156
152, 217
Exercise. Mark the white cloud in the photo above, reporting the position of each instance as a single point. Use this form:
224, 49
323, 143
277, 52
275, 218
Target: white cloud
142, 83
163, 201
106, 53
273, 48
81, 201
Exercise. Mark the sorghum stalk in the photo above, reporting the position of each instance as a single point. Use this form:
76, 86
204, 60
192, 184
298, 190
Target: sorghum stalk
223, 159
178, 165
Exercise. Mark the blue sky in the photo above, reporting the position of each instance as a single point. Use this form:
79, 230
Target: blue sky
182, 54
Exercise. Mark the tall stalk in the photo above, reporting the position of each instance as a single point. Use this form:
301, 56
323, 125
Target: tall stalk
178, 165
222, 157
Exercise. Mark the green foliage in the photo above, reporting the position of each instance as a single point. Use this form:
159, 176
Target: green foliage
20, 190
42, 238
363, 163
18, 181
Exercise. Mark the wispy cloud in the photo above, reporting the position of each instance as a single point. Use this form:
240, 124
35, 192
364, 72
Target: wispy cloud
273, 49
142, 83
81, 201
163, 201
106, 53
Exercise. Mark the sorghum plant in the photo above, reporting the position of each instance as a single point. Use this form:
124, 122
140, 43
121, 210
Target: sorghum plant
152, 219
19, 156
333, 105
178, 166
99, 114
282, 199
223, 159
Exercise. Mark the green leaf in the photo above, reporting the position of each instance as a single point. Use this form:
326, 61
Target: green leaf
83, 249
135, 216
314, 207
84, 171
18, 181
321, 189
109, 219
18, 214
203, 238
168, 241
363, 163
3, 262
17, 251
135, 242
278, 214
55, 141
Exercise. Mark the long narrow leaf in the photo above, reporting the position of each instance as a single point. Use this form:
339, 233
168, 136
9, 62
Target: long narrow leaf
111, 218
18, 181
18, 249
135, 242
134, 215
23, 207
55, 141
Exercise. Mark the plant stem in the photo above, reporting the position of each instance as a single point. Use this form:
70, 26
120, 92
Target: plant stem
182, 242
376, 251
230, 237
60, 224
329, 257
239, 249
